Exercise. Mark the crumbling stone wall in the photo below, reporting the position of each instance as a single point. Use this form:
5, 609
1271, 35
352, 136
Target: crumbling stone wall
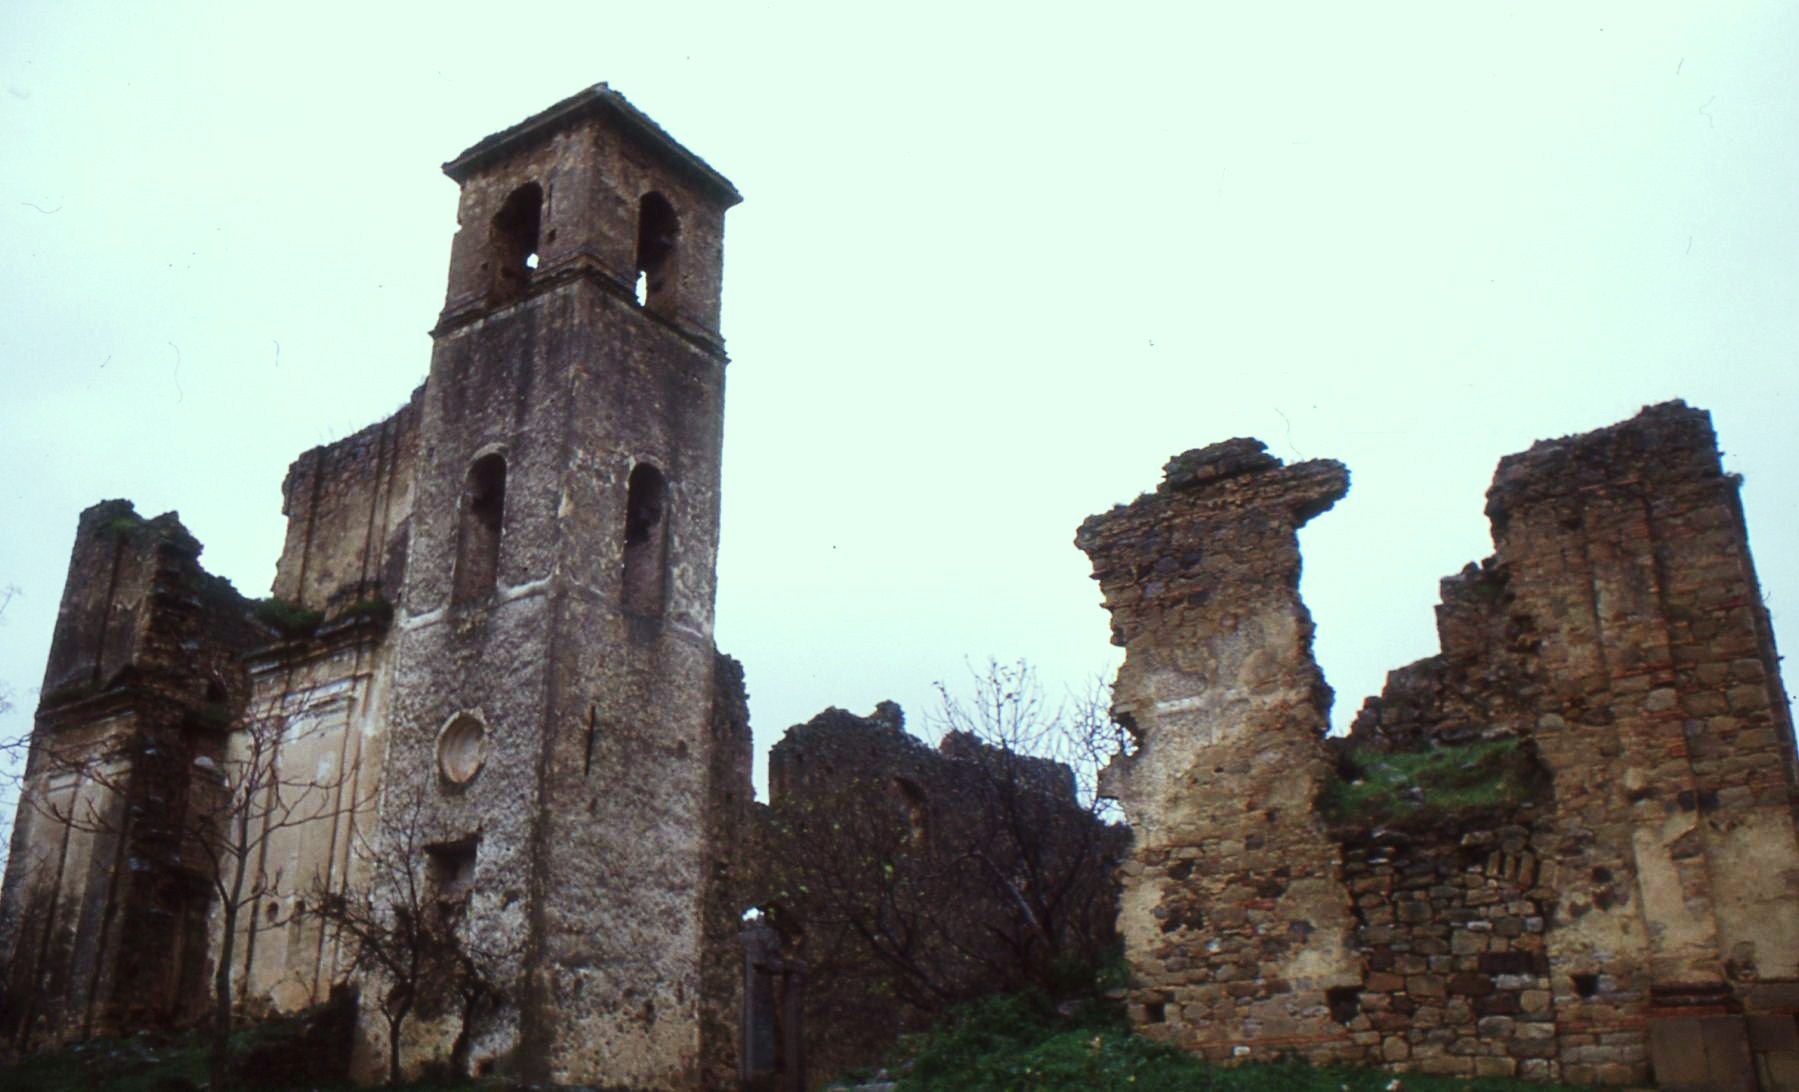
884, 866
1451, 916
349, 515
1635, 919
326, 677
730, 848
103, 915
1235, 917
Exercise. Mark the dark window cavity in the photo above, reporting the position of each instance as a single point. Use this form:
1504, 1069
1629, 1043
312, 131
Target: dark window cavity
658, 230
478, 537
515, 240
646, 540
449, 880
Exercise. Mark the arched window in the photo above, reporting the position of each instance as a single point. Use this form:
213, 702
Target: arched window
646, 540
658, 232
514, 242
478, 535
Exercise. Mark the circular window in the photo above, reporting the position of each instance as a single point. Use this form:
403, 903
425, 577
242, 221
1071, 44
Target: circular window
461, 747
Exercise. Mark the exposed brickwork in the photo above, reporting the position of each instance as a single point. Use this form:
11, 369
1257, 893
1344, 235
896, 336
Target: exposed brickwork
1636, 916
1235, 918
1450, 923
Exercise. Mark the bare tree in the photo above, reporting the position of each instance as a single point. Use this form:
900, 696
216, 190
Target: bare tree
210, 810
1050, 843
407, 932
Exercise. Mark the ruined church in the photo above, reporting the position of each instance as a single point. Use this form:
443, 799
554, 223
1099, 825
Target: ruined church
486, 670
492, 621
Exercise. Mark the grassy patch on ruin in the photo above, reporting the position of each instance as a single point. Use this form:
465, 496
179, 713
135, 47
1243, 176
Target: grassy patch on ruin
286, 618
1024, 1043
1377, 786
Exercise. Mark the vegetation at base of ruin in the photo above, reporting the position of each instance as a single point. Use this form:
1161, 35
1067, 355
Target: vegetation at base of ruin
1376, 786
176, 1062
170, 1062
286, 618
1024, 1042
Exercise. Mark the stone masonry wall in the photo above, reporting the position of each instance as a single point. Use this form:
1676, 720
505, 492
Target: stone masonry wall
498, 602
102, 920
1450, 922
1635, 919
874, 840
349, 515
1235, 917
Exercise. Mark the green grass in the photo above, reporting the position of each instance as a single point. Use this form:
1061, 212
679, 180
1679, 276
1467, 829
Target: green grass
285, 617
124, 525
141, 1063
1019, 1043
1427, 785
168, 1062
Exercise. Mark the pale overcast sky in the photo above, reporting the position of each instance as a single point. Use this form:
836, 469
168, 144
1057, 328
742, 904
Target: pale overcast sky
995, 264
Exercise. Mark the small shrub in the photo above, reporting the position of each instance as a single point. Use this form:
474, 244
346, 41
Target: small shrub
376, 607
124, 525
286, 618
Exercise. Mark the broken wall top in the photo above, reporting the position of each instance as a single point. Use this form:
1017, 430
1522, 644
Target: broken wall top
134, 597
1664, 443
349, 515
1221, 524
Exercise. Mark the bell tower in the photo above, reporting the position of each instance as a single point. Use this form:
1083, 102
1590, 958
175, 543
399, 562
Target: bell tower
554, 667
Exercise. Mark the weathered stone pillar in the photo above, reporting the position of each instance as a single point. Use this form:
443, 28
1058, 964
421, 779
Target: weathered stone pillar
1234, 914
1664, 724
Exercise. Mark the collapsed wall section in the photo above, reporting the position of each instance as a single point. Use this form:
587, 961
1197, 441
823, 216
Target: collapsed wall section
1234, 914
322, 679
103, 916
902, 879
1568, 838
349, 515
1663, 719
1618, 633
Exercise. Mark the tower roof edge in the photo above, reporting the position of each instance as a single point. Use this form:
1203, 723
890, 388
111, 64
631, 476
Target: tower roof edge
598, 99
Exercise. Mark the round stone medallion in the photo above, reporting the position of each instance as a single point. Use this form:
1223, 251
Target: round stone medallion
461, 748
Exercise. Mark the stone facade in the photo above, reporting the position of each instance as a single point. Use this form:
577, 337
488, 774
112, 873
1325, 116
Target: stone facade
1631, 916
492, 624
